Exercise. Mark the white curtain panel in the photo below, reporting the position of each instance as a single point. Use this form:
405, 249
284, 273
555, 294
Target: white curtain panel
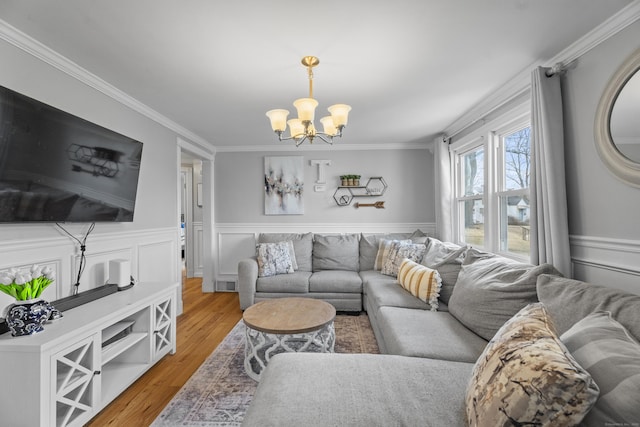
444, 190
549, 224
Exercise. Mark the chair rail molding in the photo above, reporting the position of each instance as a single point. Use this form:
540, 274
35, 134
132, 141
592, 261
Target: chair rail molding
608, 261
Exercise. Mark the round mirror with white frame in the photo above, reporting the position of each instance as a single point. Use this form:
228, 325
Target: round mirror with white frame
617, 122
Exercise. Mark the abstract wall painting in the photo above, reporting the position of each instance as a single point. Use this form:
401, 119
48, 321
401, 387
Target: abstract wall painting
283, 185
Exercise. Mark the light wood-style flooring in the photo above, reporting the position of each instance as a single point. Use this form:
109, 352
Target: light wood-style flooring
207, 318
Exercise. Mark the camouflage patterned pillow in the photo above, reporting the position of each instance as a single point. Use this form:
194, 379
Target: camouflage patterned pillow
526, 376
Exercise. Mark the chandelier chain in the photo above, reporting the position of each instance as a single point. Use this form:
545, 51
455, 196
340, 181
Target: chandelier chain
310, 72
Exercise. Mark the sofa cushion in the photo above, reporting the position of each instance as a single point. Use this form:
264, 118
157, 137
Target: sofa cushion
273, 259
296, 282
335, 281
355, 390
526, 376
302, 245
607, 351
491, 289
447, 258
336, 252
387, 293
431, 334
370, 243
399, 251
584, 298
422, 282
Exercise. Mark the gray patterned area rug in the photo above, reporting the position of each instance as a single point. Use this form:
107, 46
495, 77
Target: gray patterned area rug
219, 392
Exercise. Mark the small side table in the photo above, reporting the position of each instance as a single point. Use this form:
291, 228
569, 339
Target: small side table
286, 325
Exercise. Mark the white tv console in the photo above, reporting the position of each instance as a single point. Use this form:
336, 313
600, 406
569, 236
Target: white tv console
66, 374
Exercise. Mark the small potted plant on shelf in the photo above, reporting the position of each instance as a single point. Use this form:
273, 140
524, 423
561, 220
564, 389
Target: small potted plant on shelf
350, 180
356, 180
29, 312
344, 180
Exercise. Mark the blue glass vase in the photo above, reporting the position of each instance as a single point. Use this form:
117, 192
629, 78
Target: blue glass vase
27, 317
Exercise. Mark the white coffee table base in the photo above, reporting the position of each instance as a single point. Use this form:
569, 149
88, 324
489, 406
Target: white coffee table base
261, 346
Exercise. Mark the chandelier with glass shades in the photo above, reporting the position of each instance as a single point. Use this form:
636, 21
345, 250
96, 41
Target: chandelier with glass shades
302, 128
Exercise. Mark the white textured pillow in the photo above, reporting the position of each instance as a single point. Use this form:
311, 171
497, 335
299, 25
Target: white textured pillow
383, 251
526, 376
273, 258
398, 251
422, 282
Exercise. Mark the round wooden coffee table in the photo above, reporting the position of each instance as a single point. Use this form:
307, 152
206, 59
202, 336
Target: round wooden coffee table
286, 325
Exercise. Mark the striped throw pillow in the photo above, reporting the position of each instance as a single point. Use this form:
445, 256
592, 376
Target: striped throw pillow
422, 282
605, 349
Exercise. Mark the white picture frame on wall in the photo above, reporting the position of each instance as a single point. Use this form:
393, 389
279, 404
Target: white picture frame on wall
283, 185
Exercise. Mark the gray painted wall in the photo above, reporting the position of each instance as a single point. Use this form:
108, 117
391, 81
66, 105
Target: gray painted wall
239, 193
149, 242
28, 75
599, 204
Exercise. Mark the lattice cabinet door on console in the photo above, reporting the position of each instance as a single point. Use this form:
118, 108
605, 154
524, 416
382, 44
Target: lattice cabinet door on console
64, 375
74, 378
164, 328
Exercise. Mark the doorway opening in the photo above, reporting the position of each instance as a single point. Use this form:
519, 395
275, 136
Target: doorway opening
191, 216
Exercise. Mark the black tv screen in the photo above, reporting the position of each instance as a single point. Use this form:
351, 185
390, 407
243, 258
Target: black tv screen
57, 167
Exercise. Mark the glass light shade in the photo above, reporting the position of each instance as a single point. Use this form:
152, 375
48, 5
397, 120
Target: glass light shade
278, 119
296, 127
340, 114
306, 108
329, 127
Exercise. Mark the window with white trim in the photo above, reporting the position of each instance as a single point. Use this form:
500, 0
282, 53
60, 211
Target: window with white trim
492, 173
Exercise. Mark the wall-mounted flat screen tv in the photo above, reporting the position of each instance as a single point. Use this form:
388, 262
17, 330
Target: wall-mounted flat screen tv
57, 167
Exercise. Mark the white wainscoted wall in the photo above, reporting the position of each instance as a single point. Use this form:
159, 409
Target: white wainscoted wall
153, 254
197, 248
237, 241
239, 197
610, 262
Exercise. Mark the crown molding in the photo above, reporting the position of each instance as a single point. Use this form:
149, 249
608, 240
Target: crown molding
33, 47
427, 145
521, 82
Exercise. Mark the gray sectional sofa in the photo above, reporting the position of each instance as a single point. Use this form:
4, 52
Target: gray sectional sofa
430, 357
330, 267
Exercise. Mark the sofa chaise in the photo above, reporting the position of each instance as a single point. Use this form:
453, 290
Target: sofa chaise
505, 343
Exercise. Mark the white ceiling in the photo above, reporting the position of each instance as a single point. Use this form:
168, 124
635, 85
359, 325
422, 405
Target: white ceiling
409, 68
